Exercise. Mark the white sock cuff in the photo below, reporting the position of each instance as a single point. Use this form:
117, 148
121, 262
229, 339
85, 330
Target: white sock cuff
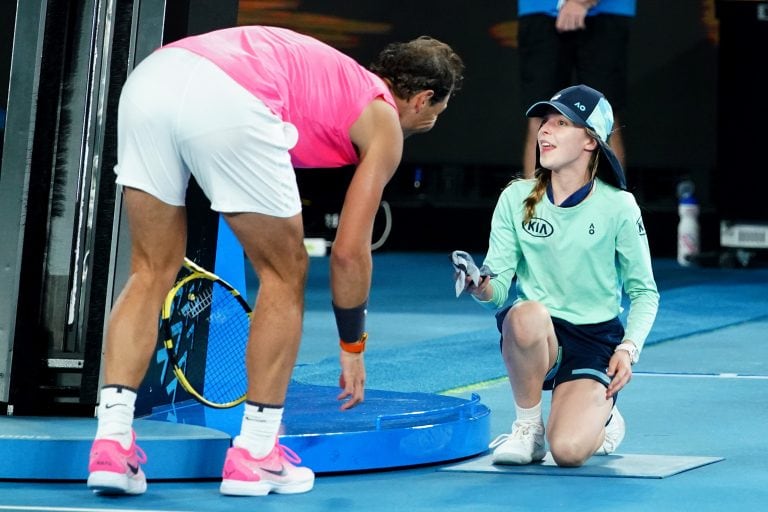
115, 414
259, 429
118, 395
270, 412
531, 414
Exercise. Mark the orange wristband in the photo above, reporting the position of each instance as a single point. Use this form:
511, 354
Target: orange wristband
355, 347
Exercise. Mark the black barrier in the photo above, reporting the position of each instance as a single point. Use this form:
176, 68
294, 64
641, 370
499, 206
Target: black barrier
742, 87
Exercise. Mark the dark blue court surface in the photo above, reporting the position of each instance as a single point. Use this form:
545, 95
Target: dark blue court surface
699, 393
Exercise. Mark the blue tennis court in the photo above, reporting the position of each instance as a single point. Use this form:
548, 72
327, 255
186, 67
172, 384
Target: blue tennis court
696, 409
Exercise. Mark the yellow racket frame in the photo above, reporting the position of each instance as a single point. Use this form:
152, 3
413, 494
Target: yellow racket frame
196, 272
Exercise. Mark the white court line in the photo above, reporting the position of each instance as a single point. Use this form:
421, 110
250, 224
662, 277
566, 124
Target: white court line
492, 382
69, 509
701, 375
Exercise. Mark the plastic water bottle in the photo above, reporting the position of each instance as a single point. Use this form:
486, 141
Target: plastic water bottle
688, 241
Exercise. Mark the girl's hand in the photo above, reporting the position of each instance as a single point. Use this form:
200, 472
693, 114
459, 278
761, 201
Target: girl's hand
620, 372
482, 290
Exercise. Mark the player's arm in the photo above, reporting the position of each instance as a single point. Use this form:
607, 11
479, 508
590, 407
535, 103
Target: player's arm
379, 139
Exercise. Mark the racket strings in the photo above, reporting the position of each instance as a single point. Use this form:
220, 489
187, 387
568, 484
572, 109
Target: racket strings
201, 303
228, 327
209, 326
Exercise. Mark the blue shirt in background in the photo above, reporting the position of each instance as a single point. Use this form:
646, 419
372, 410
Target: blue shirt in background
549, 7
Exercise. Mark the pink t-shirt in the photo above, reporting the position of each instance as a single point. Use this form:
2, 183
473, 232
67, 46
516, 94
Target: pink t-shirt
313, 86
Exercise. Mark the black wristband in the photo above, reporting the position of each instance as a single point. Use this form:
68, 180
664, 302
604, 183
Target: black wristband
350, 322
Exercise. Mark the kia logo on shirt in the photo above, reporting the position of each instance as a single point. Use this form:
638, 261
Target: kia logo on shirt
538, 227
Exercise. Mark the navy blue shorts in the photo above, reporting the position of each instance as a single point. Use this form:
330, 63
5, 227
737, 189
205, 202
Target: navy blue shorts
585, 350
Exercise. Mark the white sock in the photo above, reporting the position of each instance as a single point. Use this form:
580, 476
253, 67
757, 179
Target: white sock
115, 414
258, 432
532, 415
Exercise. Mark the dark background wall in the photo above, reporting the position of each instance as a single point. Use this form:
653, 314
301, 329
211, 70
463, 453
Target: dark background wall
454, 173
669, 127
672, 70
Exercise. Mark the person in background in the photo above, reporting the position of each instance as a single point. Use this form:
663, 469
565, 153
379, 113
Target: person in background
239, 109
571, 238
564, 42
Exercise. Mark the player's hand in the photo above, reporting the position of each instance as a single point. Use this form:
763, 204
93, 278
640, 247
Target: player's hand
572, 16
352, 379
620, 372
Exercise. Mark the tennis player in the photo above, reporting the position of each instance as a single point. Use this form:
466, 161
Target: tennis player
239, 109
572, 238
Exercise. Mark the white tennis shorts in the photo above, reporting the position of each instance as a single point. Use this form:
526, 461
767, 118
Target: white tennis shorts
179, 114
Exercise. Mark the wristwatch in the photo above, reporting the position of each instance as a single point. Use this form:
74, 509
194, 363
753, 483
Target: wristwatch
629, 347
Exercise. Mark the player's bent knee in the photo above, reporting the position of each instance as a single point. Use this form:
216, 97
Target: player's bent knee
290, 274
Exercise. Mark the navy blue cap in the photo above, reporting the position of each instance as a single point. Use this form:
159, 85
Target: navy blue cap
585, 106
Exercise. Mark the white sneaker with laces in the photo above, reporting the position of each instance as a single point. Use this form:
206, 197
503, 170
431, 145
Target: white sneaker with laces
614, 433
525, 444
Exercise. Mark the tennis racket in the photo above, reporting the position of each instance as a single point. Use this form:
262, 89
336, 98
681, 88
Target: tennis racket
204, 326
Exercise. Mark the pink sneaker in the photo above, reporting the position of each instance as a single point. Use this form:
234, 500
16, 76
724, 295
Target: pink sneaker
114, 470
245, 476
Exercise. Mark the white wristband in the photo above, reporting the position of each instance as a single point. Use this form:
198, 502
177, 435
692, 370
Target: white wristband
631, 349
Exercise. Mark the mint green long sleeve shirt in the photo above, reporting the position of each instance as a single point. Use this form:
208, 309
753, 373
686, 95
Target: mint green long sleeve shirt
576, 260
